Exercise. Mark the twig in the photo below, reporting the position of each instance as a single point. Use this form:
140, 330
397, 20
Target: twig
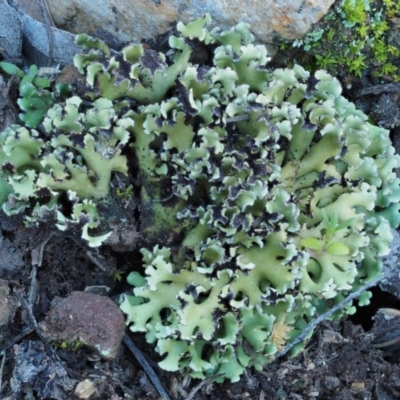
28, 330
146, 366
37, 253
165, 199
311, 326
28, 304
95, 261
200, 385
1, 370
32, 320
33, 288
378, 89
47, 21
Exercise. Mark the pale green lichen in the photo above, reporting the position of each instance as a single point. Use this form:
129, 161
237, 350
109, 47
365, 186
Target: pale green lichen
77, 152
297, 196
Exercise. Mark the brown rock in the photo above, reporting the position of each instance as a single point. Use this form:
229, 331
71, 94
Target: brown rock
96, 321
130, 20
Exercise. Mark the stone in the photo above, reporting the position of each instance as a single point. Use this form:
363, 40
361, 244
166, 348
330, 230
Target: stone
93, 320
41, 50
131, 21
85, 389
10, 33
17, 26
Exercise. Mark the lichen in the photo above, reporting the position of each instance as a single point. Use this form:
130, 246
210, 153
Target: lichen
297, 196
75, 153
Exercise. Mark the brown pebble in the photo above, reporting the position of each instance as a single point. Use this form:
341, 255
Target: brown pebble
95, 321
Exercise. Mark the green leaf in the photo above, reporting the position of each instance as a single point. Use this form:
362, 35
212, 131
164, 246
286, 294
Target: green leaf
312, 243
334, 219
135, 279
325, 218
28, 78
11, 69
338, 249
41, 82
344, 224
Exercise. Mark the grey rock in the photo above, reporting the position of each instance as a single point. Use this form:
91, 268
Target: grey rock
43, 50
10, 32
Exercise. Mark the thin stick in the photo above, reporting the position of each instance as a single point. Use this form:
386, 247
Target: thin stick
95, 261
37, 253
33, 288
311, 326
146, 366
200, 385
47, 22
1, 370
16, 339
378, 89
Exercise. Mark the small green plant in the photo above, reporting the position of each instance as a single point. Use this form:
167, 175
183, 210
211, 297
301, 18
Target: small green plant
118, 274
325, 61
392, 7
36, 94
353, 36
69, 345
327, 243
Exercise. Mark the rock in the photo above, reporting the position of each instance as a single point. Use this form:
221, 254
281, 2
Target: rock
10, 32
17, 27
85, 389
128, 20
96, 321
42, 50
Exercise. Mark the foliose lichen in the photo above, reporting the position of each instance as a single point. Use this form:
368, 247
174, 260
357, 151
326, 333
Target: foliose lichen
298, 194
74, 154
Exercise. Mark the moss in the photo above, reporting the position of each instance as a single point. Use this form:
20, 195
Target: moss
354, 36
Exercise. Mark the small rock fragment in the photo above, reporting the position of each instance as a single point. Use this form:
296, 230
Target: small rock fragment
95, 321
331, 382
10, 32
85, 389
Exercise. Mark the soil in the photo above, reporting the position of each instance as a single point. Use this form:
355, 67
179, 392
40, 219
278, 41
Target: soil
340, 361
